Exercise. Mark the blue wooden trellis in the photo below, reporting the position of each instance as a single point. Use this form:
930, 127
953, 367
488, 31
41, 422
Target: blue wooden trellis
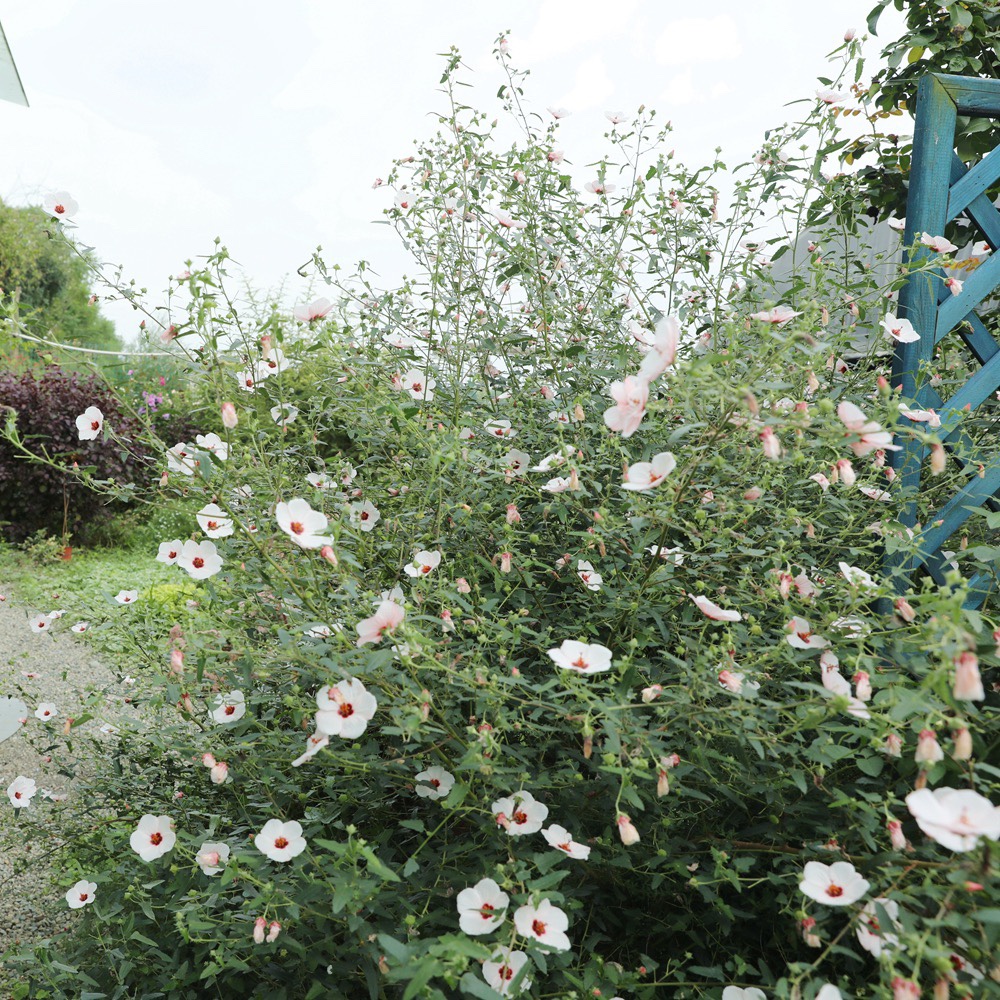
941, 189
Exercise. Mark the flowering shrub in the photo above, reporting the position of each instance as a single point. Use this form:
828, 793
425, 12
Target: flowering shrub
554, 654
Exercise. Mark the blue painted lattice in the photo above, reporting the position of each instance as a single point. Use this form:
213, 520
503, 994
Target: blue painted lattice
941, 189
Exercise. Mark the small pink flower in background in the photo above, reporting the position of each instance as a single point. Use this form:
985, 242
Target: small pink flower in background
957, 818
200, 559
962, 749
663, 351
280, 841
219, 772
954, 285
928, 749
284, 413
776, 316
60, 205
80, 627
308, 312
555, 156
900, 330
423, 563
626, 830
153, 837
462, 585
883, 496
872, 936
81, 894
904, 609
345, 709
649, 475
229, 707
212, 857
928, 417
434, 783
582, 657
482, 907
838, 884
520, 813
259, 930
896, 837
45, 711
247, 381
302, 524
599, 187
831, 96
845, 471
818, 477
592, 580
898, 224
770, 443
365, 515
314, 744
502, 968
872, 434
214, 521
801, 636
127, 596
513, 514
273, 930
229, 418
545, 924
968, 683
506, 564
937, 243
630, 398
862, 685
90, 423
20, 791
561, 839
905, 989
712, 610
387, 618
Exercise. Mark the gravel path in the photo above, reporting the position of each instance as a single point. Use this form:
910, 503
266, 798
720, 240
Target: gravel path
60, 667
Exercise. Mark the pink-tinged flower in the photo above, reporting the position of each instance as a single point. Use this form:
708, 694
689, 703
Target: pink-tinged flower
60, 205
674, 556
214, 521
558, 112
905, 989
513, 514
503, 968
387, 618
545, 924
939, 459
871, 434
280, 841
928, 417
90, 423
954, 285
259, 930
937, 243
957, 818
153, 837
904, 609
81, 894
630, 398
434, 783
893, 745
212, 857
561, 839
169, 552
506, 562
845, 472
127, 596
462, 585
80, 627
515, 462
219, 772
858, 578
592, 580
731, 681
776, 316
273, 930
928, 749
896, 837
229, 418
314, 744
302, 524
770, 443
20, 791
200, 559
736, 993
615, 117
883, 496
824, 483
898, 224
46, 710
828, 96
651, 693
213, 444
712, 610
582, 657
599, 187
482, 907
626, 830
801, 636
344, 709
555, 156
180, 459
247, 380
838, 884
559, 484
308, 312
649, 475
520, 813
873, 935
418, 385
40, 623
506, 220
229, 707
962, 749
365, 515
423, 563
753, 494
862, 685
900, 330
499, 429
968, 684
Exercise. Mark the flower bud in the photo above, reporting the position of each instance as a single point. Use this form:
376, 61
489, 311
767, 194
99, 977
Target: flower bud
895, 829
328, 554
849, 35
176, 661
273, 931
462, 585
731, 681
219, 772
628, 833
265, 345
229, 418
588, 747
938, 458
208, 760
862, 686
258, 930
942, 988
904, 609
513, 514
662, 784
846, 471
893, 745
968, 684
905, 989
651, 693
808, 933
505, 562
928, 749
754, 493
963, 744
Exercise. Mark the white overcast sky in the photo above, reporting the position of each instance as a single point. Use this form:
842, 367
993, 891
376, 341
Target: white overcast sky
265, 123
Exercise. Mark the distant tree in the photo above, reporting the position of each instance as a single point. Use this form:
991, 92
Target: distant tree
51, 282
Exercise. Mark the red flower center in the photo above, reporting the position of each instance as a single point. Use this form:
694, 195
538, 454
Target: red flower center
198, 562
835, 891
486, 911
506, 972
172, 554
297, 527
280, 843
346, 710
520, 816
538, 928
426, 569
60, 209
564, 847
156, 838
230, 709
95, 425
212, 525
435, 782
84, 896
364, 515
580, 663
17, 795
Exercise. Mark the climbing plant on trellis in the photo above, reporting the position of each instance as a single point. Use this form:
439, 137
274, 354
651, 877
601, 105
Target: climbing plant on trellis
941, 190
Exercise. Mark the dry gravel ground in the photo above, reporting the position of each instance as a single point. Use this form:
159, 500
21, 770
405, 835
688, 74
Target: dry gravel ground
32, 903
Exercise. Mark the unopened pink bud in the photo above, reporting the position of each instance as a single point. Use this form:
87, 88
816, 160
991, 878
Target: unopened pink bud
893, 745
208, 760
968, 683
662, 784
904, 609
862, 686
229, 418
928, 749
258, 930
938, 459
651, 693
329, 555
963, 744
505, 562
513, 514
273, 931
849, 35
627, 831
905, 989
754, 493
265, 345
846, 472
895, 829
462, 585
219, 772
